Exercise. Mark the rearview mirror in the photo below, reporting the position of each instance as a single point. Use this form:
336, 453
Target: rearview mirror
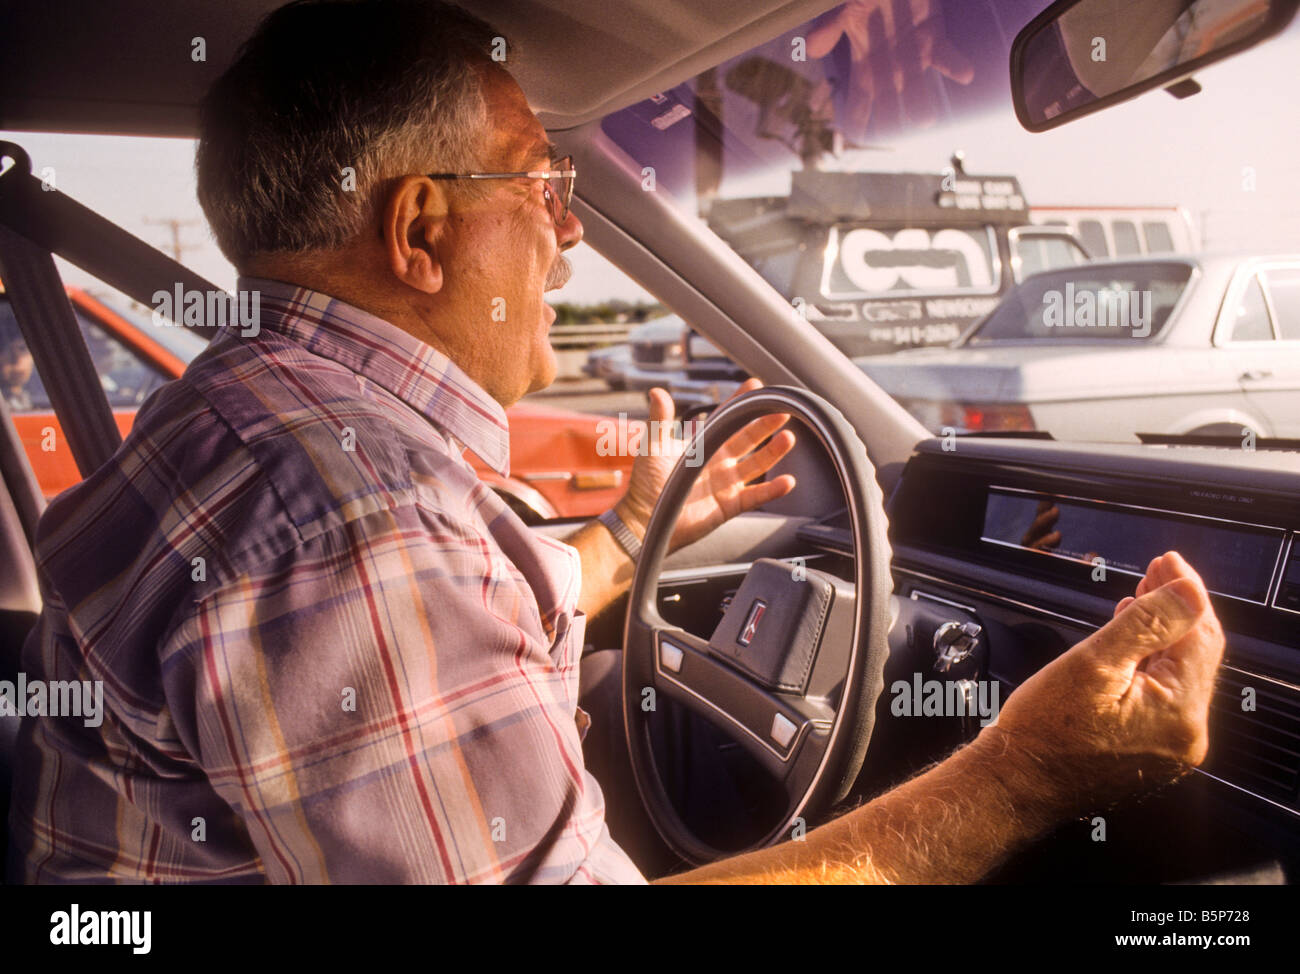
1079, 56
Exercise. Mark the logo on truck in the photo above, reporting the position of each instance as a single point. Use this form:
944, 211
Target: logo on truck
863, 262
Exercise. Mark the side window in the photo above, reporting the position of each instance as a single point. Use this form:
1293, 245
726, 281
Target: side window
1126, 238
111, 331
1159, 239
1029, 254
20, 386
1094, 238
1040, 252
1284, 292
1252, 323
126, 377
1061, 252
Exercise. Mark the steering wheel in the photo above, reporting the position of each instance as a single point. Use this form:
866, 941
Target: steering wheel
794, 669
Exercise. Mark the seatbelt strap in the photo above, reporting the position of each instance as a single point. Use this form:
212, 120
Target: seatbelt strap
49, 326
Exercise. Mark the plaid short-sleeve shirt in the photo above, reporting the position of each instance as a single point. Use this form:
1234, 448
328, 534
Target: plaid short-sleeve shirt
328, 652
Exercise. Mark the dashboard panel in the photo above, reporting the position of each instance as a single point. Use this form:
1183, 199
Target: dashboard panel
1033, 542
972, 531
1238, 560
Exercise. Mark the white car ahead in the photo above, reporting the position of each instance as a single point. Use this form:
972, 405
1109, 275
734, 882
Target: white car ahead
1204, 345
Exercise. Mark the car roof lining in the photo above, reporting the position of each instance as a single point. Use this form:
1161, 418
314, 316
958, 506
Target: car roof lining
127, 69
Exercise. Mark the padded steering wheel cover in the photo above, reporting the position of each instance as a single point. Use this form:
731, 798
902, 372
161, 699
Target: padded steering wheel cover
855, 717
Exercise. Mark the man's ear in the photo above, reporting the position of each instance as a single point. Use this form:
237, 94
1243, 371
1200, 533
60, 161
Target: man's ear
413, 221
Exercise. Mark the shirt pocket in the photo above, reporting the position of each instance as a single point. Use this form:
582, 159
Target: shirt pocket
566, 654
568, 646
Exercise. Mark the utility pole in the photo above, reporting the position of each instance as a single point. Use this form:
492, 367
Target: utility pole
177, 248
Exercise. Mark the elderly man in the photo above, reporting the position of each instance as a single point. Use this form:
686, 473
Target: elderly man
329, 652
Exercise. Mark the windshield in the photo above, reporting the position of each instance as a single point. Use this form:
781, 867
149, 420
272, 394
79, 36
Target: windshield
1125, 303
869, 166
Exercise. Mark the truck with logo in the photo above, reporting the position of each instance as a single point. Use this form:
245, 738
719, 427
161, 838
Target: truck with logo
880, 262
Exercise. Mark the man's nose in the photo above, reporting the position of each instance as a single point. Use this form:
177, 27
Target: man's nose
569, 233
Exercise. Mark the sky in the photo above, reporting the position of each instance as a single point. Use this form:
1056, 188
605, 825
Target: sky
1132, 155
1127, 155
1151, 151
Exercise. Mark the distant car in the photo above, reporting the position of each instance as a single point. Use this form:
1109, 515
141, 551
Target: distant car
556, 469
709, 376
1180, 344
610, 364
657, 353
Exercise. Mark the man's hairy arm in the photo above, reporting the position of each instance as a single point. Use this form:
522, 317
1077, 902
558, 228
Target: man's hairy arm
951, 824
1124, 708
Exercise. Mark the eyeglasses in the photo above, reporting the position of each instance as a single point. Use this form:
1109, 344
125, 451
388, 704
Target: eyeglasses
558, 194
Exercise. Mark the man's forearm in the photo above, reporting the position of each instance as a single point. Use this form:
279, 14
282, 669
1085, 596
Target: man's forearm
952, 824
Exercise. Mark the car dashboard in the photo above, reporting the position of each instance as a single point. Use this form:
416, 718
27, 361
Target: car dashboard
963, 531
987, 590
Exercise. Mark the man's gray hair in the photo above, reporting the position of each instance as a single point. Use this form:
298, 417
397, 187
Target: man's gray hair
324, 106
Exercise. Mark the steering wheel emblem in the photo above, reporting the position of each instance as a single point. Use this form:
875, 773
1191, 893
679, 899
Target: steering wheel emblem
751, 624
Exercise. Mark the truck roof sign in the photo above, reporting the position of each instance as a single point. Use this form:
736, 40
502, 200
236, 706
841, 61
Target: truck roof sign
906, 199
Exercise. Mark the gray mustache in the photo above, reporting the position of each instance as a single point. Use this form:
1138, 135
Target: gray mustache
559, 274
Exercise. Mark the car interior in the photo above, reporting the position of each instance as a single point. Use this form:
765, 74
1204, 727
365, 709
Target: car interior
919, 549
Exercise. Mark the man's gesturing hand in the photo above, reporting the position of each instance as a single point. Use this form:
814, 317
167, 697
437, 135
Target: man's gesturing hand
1128, 705
722, 488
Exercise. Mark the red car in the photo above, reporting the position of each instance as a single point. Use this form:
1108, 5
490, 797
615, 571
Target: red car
556, 470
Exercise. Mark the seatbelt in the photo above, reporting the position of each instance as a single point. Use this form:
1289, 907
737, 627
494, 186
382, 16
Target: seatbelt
46, 319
